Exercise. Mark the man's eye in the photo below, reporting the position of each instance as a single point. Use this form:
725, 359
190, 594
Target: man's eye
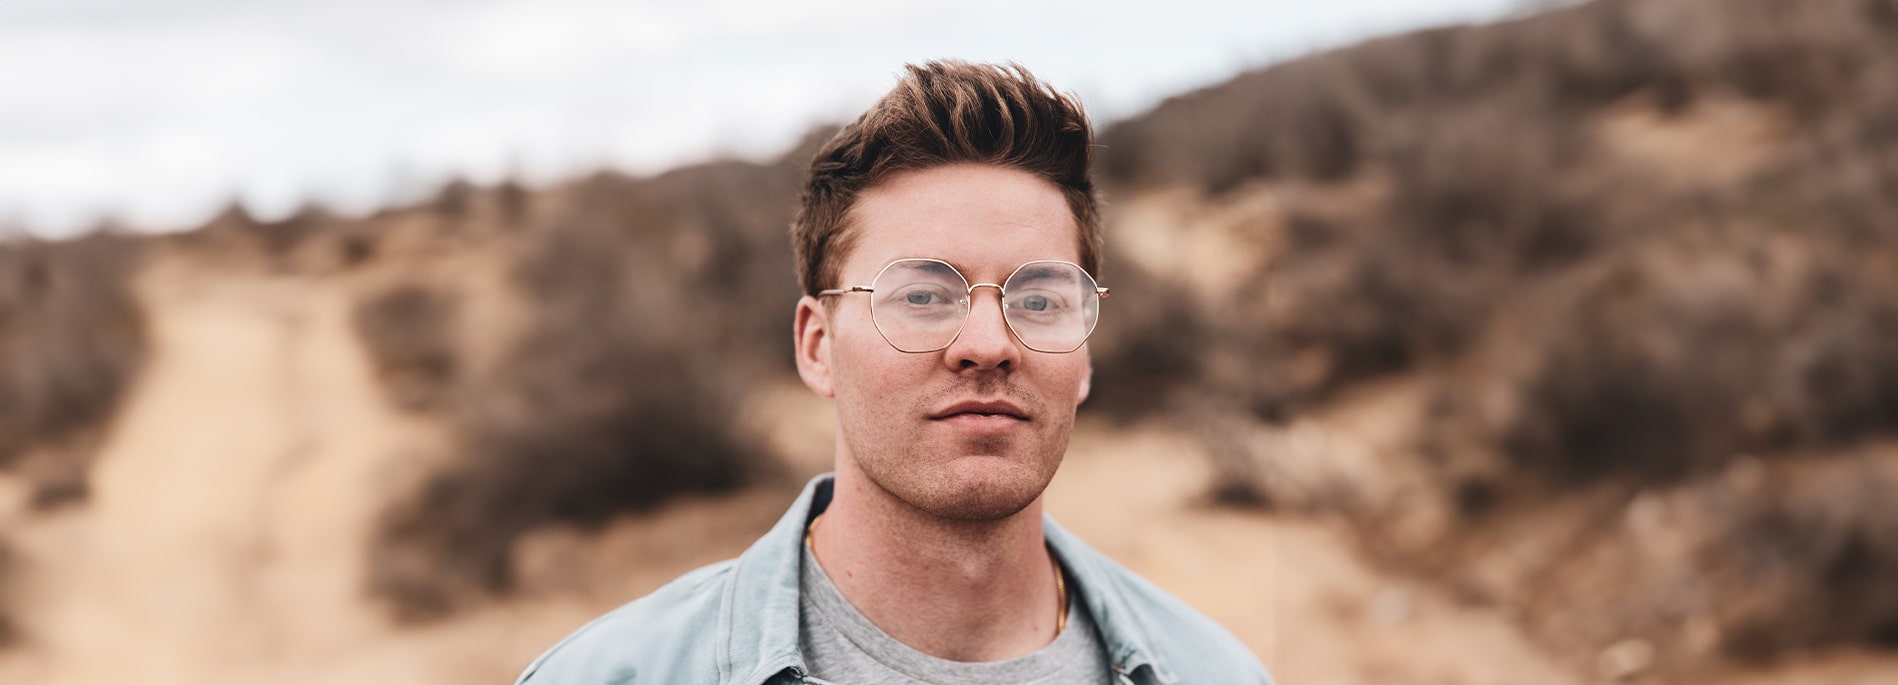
1036, 303
919, 297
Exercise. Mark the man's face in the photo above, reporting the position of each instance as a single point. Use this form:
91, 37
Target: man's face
901, 416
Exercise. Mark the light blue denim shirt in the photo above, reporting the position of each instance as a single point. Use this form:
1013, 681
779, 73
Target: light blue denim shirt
736, 622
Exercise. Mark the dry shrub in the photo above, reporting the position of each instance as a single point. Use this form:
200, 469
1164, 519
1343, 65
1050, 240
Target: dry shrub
656, 301
1666, 371
408, 331
72, 338
1148, 338
1809, 562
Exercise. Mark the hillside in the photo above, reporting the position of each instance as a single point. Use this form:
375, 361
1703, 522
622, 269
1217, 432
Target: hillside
1639, 259
1562, 340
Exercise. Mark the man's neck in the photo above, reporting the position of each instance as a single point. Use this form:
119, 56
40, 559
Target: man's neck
958, 590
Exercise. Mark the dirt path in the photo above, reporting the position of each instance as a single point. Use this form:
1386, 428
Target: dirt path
224, 528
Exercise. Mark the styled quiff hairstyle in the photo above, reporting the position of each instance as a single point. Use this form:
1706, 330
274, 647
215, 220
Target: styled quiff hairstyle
946, 112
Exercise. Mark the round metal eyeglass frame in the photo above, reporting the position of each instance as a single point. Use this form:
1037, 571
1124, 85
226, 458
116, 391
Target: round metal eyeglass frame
968, 298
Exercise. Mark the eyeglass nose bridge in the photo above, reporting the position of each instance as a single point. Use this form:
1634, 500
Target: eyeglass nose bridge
968, 312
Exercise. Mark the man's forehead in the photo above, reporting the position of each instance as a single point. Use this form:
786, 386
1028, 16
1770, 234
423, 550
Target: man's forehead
982, 219
978, 263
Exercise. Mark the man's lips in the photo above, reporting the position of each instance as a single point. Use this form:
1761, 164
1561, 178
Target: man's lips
999, 409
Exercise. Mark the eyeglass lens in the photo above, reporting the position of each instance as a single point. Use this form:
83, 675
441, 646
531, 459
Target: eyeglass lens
920, 305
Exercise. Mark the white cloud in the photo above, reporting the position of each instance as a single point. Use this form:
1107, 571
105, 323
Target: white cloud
526, 40
162, 113
168, 177
70, 73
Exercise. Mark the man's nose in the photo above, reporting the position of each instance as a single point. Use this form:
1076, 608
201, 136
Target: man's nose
985, 341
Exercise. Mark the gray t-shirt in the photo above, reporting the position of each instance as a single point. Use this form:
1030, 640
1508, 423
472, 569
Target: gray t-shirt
842, 646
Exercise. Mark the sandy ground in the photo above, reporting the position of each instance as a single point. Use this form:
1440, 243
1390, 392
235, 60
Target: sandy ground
225, 535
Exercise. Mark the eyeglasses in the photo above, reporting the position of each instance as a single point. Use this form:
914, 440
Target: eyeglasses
921, 305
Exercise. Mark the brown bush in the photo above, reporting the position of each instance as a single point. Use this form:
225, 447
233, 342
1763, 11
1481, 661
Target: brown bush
656, 302
1148, 339
1809, 562
72, 338
409, 333
1657, 376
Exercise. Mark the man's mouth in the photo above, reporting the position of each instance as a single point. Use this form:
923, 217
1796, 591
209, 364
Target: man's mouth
997, 410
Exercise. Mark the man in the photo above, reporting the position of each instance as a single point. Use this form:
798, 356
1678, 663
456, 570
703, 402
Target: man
945, 242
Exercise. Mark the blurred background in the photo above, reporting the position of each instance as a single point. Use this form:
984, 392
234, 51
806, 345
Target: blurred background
1452, 342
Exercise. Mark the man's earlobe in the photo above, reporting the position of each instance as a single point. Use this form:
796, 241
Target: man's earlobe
811, 344
1087, 383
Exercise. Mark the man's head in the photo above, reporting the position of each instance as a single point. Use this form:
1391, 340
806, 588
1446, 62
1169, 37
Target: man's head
944, 113
985, 169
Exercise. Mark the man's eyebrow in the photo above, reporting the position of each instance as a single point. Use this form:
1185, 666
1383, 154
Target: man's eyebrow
923, 263
1029, 270
1047, 272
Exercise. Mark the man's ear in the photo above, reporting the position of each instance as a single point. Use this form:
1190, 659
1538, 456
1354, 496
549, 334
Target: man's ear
811, 344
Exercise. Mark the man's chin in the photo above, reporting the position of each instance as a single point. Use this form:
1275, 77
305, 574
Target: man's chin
984, 508
980, 487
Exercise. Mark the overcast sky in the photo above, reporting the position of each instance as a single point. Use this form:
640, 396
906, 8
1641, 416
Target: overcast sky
160, 113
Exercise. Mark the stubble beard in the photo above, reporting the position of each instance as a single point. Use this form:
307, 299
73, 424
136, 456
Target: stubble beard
937, 479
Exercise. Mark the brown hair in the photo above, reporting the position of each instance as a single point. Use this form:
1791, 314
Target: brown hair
945, 112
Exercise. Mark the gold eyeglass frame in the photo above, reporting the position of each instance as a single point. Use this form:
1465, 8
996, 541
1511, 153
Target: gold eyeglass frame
968, 303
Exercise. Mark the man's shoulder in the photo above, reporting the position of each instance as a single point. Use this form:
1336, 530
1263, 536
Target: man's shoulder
1191, 645
661, 635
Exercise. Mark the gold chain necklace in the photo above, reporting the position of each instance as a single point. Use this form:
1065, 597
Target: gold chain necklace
1060, 579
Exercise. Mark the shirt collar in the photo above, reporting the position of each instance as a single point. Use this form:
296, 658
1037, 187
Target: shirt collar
758, 630
1100, 587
